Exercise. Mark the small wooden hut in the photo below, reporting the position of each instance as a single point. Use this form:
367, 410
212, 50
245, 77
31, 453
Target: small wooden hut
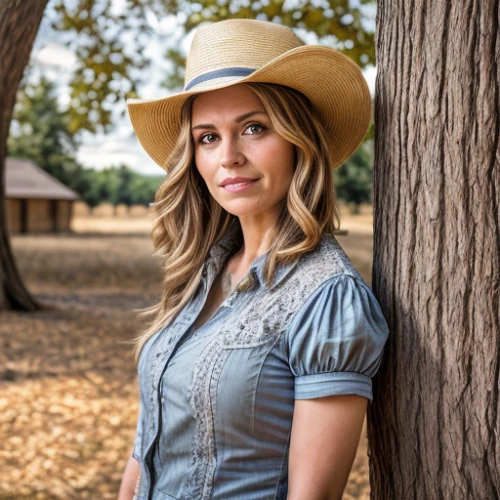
36, 201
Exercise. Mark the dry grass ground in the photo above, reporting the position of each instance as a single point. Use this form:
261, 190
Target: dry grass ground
68, 401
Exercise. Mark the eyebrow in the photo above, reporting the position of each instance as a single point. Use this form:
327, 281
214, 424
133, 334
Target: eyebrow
239, 119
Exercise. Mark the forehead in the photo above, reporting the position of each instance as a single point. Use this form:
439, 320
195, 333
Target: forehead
225, 104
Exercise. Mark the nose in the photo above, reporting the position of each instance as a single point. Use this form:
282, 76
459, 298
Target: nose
231, 154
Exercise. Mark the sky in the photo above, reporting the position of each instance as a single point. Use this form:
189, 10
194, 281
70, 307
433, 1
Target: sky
51, 58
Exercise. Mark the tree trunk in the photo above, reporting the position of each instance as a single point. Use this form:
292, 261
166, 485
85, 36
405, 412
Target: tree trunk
19, 22
434, 426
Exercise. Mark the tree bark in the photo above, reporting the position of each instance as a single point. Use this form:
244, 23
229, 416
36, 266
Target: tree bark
434, 426
19, 23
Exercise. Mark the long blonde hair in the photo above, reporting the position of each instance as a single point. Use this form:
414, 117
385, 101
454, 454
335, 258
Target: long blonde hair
189, 221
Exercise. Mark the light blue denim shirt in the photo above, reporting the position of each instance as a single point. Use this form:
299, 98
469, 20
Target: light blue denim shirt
216, 404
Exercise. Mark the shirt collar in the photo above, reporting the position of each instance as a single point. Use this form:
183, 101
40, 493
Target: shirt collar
257, 271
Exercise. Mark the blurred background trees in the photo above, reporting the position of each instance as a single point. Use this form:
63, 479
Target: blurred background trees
353, 181
40, 131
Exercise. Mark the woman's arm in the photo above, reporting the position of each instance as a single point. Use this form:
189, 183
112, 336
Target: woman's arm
324, 439
129, 479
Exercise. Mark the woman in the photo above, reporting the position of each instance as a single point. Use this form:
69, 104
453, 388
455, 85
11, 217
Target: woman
263, 321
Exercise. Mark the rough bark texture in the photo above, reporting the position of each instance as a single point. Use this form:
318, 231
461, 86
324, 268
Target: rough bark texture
434, 426
19, 23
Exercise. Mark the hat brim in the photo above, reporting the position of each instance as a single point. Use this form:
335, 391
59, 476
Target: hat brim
333, 83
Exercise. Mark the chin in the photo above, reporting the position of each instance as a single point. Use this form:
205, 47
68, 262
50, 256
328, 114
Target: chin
241, 211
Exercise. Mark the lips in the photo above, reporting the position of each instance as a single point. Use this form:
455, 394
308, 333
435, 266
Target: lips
236, 180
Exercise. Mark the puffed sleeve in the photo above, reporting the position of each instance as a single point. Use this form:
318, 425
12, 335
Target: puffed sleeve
335, 342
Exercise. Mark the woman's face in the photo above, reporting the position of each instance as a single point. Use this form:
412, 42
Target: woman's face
246, 164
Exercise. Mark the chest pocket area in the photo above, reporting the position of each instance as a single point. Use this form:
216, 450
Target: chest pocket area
237, 384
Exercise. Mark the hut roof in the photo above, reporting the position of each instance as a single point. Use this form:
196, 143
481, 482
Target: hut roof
24, 179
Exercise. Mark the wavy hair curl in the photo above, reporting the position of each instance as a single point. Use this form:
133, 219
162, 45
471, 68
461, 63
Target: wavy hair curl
189, 221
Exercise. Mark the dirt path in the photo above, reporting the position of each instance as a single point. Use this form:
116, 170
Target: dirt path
68, 402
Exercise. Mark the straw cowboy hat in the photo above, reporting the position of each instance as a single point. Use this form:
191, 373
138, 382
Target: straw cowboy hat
244, 50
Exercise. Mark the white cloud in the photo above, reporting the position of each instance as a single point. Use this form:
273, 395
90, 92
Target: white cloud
53, 54
120, 146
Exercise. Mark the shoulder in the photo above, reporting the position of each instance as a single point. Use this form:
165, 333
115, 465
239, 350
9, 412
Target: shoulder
325, 262
329, 255
338, 295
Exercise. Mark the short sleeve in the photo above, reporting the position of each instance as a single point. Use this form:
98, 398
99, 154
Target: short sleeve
335, 342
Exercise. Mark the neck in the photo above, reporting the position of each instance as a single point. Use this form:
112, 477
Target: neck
258, 235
